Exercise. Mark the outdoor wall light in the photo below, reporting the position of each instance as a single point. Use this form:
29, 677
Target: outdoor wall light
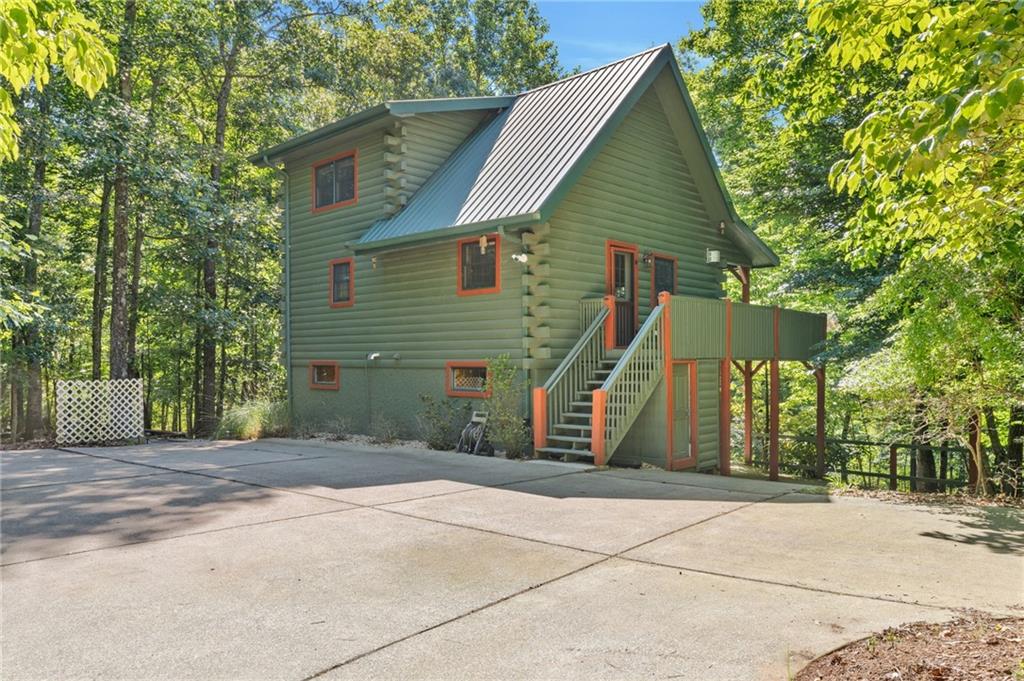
520, 257
483, 245
372, 356
647, 258
373, 262
713, 257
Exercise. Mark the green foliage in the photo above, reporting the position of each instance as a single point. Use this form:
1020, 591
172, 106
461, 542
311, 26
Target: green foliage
38, 34
253, 420
877, 148
505, 421
441, 421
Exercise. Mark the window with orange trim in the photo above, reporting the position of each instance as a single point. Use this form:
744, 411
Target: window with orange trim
479, 265
663, 276
324, 374
335, 181
466, 379
341, 282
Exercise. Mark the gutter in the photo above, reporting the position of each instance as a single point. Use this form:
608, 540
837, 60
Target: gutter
442, 233
287, 283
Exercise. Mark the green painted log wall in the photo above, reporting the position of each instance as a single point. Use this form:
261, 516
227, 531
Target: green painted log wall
406, 306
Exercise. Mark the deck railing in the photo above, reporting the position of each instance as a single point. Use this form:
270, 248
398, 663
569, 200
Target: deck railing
553, 400
590, 308
618, 402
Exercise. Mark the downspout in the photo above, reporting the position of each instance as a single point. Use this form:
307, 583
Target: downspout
287, 287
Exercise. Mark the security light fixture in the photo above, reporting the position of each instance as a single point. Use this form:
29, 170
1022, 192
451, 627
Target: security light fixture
713, 257
520, 257
372, 356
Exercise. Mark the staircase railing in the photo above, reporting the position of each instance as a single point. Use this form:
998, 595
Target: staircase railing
552, 400
618, 402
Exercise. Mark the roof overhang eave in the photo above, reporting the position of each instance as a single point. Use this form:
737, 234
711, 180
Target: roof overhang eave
442, 234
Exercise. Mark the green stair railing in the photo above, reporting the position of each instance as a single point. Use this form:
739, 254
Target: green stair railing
571, 376
618, 402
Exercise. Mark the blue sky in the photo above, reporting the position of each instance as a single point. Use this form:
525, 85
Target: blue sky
590, 33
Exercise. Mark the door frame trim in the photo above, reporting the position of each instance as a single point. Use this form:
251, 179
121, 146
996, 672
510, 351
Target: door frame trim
673, 463
610, 246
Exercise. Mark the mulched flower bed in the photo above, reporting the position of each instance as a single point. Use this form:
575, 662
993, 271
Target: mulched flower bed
972, 647
928, 498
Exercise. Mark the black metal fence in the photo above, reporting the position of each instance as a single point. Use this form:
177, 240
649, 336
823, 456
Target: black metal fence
903, 466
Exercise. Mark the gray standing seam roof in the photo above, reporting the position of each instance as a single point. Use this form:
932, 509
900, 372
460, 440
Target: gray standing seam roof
514, 163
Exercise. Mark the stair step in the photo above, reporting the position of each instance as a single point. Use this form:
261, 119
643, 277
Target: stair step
609, 362
574, 426
602, 371
586, 393
568, 438
597, 384
581, 404
562, 450
577, 414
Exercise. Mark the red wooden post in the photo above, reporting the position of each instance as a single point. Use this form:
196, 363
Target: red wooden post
540, 417
819, 426
893, 481
773, 420
597, 420
748, 413
725, 398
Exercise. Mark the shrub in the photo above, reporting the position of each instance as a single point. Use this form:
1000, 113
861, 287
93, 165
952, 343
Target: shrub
441, 421
504, 420
254, 420
384, 431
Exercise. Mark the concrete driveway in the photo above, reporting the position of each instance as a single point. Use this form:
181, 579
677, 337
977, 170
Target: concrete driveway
294, 560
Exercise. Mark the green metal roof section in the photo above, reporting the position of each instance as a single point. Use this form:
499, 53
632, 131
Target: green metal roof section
397, 108
507, 171
519, 166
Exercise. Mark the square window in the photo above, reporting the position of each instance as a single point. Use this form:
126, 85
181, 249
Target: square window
341, 282
334, 182
324, 375
479, 263
466, 379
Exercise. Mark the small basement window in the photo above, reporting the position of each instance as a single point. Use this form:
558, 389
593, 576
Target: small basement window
663, 276
466, 379
324, 375
479, 265
341, 282
334, 181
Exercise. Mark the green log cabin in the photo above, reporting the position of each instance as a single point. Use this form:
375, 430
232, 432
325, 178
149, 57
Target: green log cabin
582, 228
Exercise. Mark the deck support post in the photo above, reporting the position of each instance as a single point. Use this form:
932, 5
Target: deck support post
773, 419
819, 423
540, 418
725, 398
597, 426
748, 413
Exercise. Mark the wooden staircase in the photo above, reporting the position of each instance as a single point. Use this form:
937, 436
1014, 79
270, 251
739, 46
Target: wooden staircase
571, 434
595, 383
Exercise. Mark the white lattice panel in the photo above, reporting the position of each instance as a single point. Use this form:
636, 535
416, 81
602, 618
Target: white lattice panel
99, 411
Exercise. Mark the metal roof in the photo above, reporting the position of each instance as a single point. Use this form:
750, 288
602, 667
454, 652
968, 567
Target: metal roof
512, 166
396, 107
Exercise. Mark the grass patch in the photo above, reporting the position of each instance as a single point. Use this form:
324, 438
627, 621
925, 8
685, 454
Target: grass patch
253, 420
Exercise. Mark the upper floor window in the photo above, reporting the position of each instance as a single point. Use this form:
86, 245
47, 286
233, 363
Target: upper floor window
341, 282
334, 181
479, 265
663, 276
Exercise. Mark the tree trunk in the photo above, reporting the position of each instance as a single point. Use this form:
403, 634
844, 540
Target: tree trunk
208, 409
133, 298
923, 456
33, 366
99, 280
1015, 449
992, 429
119, 310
